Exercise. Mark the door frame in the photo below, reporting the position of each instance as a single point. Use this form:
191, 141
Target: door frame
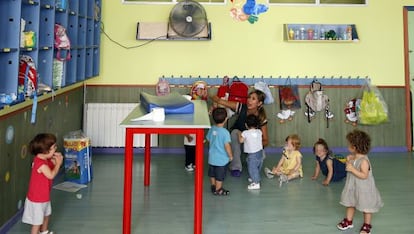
408, 99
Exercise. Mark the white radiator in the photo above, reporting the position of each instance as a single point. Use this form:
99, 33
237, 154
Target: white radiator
101, 124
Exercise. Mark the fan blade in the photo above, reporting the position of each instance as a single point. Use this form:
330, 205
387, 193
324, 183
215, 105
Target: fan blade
188, 18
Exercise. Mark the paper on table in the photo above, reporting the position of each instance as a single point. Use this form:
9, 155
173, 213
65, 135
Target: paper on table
157, 115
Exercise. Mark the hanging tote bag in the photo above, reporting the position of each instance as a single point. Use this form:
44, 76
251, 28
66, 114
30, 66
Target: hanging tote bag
373, 109
289, 96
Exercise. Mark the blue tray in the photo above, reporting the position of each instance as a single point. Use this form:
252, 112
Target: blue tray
173, 103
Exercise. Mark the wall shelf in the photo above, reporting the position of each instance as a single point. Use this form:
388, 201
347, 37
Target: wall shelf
324, 33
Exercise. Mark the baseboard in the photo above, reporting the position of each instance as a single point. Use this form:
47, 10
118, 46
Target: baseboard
269, 150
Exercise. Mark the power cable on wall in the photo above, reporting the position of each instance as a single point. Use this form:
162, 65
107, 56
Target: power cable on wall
126, 47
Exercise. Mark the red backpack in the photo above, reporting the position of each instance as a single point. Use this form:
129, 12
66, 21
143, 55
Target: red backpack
238, 91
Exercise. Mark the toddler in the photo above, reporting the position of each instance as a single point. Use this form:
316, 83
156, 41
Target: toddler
252, 144
290, 164
45, 166
359, 191
219, 154
331, 167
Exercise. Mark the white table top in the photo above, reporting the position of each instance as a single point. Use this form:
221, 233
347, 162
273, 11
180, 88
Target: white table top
199, 119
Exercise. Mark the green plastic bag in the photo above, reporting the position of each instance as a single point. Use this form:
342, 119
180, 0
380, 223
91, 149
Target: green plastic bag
372, 110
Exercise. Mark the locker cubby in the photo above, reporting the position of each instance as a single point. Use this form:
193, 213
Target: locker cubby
81, 18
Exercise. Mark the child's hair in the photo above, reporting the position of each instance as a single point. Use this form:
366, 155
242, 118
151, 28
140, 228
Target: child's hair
219, 115
360, 140
322, 142
294, 138
252, 121
261, 97
41, 143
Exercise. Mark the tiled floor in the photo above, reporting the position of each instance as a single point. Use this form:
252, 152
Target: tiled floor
301, 206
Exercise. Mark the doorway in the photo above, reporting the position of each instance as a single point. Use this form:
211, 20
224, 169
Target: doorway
408, 24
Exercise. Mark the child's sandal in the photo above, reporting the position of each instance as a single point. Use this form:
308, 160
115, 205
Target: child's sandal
213, 189
221, 192
365, 229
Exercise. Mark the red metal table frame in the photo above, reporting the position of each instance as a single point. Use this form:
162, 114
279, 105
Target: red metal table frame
172, 128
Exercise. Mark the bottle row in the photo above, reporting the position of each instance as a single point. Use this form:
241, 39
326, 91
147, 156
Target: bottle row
46, 45
321, 32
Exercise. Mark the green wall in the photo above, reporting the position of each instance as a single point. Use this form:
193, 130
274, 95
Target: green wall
59, 115
391, 134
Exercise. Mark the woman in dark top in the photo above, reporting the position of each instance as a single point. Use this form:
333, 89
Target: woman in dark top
331, 167
254, 105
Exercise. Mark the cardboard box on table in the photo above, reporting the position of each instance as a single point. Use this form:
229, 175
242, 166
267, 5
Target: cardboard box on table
78, 160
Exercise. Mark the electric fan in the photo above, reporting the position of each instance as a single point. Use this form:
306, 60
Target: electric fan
188, 18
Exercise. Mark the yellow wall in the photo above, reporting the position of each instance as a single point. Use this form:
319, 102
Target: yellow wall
241, 48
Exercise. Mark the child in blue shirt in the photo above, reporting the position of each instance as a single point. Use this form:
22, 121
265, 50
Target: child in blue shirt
220, 153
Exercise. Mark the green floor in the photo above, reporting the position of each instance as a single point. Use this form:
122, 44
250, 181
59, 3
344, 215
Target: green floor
301, 206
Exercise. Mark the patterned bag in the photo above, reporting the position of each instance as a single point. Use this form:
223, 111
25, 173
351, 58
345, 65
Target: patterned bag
27, 77
62, 42
162, 88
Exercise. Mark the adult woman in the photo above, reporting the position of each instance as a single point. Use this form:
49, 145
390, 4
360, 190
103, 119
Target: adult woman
254, 105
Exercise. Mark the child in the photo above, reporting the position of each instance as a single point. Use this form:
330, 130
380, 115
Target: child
189, 146
331, 167
220, 153
290, 164
252, 139
359, 191
45, 166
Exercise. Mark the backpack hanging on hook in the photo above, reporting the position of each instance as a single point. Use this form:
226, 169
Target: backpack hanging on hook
289, 100
316, 100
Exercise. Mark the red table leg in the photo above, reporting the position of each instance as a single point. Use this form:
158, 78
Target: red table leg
198, 191
129, 137
147, 159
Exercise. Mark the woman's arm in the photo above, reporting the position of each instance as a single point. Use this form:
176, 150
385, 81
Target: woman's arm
329, 165
229, 152
229, 104
241, 138
265, 136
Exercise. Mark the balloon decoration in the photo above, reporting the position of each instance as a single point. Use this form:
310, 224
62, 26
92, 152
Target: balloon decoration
249, 10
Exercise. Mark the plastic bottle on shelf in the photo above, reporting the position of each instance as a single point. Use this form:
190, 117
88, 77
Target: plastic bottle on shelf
322, 35
302, 33
315, 35
349, 33
291, 34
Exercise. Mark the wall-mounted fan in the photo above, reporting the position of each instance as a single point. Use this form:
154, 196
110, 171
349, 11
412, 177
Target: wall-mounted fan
188, 18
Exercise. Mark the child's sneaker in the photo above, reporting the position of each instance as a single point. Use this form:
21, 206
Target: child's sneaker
345, 224
253, 186
268, 173
250, 180
189, 167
